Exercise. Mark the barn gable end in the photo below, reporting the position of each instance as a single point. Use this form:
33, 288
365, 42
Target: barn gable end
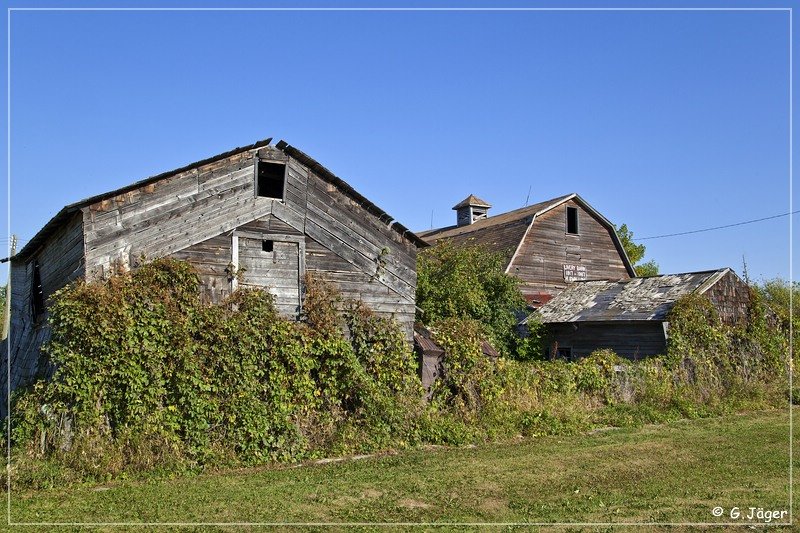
263, 215
546, 245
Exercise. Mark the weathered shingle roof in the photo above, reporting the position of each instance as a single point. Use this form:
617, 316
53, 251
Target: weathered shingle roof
501, 233
67, 212
631, 299
472, 200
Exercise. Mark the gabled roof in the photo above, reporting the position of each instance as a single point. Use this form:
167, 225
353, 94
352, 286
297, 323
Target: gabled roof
504, 233
625, 300
472, 200
68, 211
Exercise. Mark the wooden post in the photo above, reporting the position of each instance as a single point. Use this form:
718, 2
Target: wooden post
234, 262
7, 310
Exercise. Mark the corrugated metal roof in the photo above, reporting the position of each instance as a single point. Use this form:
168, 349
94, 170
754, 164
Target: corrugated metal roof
631, 299
66, 213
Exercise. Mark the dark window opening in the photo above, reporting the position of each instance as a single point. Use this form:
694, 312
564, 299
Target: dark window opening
572, 220
266, 246
565, 353
270, 179
37, 294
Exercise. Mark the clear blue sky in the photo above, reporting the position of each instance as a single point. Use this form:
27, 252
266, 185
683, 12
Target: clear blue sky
668, 121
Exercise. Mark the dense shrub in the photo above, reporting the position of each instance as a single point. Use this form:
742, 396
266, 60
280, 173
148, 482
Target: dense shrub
469, 282
151, 380
148, 375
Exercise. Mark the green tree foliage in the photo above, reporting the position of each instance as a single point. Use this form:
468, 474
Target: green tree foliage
783, 299
151, 380
469, 282
636, 253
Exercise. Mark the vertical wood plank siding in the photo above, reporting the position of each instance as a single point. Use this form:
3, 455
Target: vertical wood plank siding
632, 340
547, 248
60, 260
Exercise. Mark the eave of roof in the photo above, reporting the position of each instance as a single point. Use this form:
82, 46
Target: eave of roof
330, 177
68, 211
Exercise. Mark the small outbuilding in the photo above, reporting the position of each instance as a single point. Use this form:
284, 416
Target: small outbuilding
629, 316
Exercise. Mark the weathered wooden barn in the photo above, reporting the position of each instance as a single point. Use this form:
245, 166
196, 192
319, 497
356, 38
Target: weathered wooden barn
630, 316
267, 212
546, 245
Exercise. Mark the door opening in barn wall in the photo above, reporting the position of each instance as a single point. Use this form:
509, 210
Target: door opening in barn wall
275, 265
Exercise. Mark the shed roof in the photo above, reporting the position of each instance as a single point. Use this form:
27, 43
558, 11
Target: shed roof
68, 211
625, 300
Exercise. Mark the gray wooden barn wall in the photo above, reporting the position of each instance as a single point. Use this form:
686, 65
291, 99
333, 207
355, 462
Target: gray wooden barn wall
731, 297
60, 262
547, 247
192, 214
633, 340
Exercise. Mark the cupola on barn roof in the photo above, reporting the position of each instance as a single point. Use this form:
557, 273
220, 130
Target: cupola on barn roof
472, 201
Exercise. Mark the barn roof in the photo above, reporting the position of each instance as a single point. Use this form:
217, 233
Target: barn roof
67, 212
631, 299
472, 200
503, 233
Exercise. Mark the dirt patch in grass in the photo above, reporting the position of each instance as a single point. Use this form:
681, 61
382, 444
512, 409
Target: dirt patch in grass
409, 503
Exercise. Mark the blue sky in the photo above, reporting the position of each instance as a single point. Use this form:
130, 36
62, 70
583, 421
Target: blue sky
668, 121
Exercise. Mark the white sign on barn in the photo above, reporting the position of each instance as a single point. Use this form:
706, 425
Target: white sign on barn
574, 272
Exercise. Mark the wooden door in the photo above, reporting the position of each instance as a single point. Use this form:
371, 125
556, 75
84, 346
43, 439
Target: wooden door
274, 265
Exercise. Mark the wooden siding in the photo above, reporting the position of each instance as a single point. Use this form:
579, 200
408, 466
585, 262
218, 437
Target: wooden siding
278, 271
211, 259
189, 215
632, 340
547, 247
731, 297
355, 284
173, 214
60, 261
194, 215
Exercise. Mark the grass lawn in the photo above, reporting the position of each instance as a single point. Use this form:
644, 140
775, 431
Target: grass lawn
669, 473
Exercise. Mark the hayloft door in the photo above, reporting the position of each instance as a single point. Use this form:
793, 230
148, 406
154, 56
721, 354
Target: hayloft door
275, 263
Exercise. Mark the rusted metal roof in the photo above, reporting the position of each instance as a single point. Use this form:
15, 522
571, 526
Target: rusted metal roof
472, 200
66, 213
625, 300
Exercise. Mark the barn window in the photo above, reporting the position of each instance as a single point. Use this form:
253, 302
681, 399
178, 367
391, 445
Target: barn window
572, 220
37, 294
270, 179
266, 246
565, 353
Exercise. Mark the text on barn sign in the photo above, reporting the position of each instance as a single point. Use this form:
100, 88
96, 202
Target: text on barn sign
574, 272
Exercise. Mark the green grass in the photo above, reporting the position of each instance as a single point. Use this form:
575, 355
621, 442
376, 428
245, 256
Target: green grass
668, 473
